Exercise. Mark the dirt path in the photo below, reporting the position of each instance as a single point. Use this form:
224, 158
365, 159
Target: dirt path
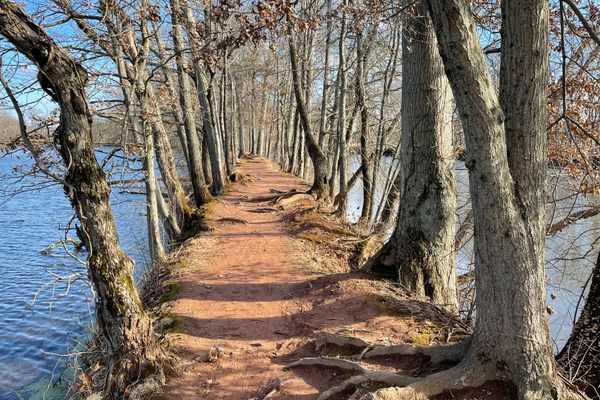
244, 296
246, 292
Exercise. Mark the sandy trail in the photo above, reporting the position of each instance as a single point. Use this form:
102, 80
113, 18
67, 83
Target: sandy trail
244, 297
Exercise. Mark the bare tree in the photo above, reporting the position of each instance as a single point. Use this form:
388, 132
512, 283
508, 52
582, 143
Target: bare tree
133, 349
421, 250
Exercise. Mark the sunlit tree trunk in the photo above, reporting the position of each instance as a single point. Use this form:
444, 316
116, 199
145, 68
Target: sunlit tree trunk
319, 161
201, 91
365, 158
341, 131
421, 249
201, 193
506, 160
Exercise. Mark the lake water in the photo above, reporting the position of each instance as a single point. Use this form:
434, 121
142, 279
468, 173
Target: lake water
34, 334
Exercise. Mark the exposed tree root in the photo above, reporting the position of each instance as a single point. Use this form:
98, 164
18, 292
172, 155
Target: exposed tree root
468, 373
452, 352
364, 375
339, 363
383, 262
324, 338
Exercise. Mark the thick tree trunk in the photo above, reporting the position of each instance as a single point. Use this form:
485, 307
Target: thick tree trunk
580, 358
133, 349
421, 249
507, 187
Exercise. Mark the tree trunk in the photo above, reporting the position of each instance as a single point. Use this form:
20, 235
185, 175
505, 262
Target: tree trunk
171, 82
421, 248
155, 245
341, 131
323, 114
364, 126
580, 358
201, 193
228, 144
240, 122
319, 161
209, 131
511, 336
133, 349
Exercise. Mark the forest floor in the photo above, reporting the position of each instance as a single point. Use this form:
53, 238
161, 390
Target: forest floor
273, 277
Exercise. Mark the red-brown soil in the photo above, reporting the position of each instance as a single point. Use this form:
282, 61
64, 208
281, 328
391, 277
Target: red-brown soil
251, 288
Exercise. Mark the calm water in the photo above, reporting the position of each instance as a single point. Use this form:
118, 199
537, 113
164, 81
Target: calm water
570, 256
34, 334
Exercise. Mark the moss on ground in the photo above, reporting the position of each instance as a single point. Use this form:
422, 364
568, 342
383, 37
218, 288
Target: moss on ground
173, 289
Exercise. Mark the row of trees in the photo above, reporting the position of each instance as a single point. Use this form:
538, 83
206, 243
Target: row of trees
310, 84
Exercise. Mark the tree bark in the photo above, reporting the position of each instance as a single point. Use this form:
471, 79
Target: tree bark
421, 249
240, 122
580, 358
507, 187
209, 131
319, 161
133, 349
228, 143
201, 193
364, 127
341, 131
323, 111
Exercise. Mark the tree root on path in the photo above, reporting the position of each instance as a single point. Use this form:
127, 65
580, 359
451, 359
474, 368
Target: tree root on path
452, 352
324, 338
436, 354
467, 373
364, 375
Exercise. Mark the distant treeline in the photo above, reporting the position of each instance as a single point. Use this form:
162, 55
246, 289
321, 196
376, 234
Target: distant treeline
104, 131
9, 128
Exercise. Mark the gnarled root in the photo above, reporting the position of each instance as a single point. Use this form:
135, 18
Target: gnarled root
324, 338
452, 352
468, 373
436, 354
331, 362
364, 375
